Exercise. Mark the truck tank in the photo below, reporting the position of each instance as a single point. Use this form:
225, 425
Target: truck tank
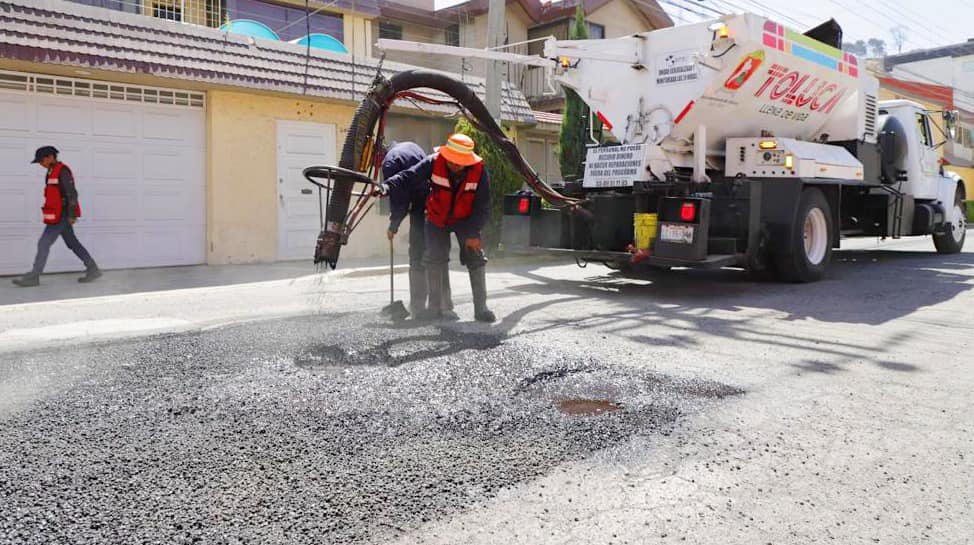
740, 76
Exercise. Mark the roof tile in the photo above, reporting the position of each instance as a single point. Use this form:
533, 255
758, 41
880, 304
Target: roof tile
60, 32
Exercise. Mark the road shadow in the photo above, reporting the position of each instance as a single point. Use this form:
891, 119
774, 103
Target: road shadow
883, 285
681, 308
684, 308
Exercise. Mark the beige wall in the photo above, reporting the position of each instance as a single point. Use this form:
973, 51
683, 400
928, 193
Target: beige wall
242, 204
473, 33
539, 145
358, 35
418, 33
619, 19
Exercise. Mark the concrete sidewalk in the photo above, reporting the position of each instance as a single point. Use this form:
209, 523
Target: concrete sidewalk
59, 287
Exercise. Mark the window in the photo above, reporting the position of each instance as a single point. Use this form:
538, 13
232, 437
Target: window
595, 31
924, 128
451, 36
167, 10
390, 31
964, 136
559, 29
289, 22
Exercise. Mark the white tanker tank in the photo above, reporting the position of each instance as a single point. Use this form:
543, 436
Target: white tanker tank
739, 76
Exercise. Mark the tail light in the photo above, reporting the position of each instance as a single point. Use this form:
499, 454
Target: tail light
688, 211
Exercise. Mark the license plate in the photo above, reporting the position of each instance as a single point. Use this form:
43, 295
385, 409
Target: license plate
681, 234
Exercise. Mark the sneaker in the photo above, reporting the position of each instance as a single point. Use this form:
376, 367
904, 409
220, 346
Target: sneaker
90, 276
27, 281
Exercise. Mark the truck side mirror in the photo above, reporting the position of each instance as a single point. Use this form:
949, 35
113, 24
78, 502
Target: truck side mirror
950, 123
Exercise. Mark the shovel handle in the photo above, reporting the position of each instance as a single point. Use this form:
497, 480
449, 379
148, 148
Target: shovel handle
392, 273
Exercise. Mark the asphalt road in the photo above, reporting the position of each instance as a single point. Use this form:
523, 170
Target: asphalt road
690, 407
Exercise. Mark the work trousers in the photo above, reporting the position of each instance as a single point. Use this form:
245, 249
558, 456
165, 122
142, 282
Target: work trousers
417, 239
438, 248
65, 230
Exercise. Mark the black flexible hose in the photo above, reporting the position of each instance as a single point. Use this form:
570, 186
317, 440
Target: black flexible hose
363, 125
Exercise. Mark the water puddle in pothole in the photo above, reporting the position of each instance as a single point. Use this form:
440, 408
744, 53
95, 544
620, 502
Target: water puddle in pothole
586, 407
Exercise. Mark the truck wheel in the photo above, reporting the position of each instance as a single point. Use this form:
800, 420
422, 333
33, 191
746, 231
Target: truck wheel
952, 241
811, 240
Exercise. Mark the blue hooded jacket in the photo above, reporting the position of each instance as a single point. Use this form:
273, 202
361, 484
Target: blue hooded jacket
404, 198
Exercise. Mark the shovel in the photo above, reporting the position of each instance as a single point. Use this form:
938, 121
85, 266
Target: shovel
395, 309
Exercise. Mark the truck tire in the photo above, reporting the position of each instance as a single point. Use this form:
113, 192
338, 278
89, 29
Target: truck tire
811, 240
952, 241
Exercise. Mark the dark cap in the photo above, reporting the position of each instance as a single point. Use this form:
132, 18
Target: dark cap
43, 152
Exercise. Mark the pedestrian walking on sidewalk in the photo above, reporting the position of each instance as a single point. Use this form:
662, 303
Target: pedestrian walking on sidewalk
459, 204
410, 199
60, 212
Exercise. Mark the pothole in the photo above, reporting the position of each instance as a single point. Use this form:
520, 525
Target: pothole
586, 407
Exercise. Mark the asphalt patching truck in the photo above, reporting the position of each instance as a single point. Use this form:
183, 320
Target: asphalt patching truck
743, 144
737, 143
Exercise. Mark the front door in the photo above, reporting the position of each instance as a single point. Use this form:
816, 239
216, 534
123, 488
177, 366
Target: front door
300, 144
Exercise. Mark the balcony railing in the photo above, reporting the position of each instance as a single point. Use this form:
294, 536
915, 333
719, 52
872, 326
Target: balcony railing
287, 22
198, 12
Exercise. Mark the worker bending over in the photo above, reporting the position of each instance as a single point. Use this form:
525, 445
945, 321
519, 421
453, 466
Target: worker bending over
410, 199
458, 203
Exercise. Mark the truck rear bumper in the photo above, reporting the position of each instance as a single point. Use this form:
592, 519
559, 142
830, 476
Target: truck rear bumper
714, 261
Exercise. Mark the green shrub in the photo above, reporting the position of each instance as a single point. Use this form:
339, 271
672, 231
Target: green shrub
574, 137
970, 211
504, 179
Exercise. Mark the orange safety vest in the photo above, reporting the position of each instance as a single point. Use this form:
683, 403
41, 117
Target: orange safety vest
443, 206
53, 200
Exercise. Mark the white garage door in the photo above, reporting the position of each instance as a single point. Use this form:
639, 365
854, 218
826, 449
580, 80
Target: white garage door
137, 155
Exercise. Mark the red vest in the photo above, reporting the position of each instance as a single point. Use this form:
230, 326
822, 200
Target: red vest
443, 206
53, 200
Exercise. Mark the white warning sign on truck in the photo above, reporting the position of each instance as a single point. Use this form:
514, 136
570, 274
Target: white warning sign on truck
676, 67
616, 166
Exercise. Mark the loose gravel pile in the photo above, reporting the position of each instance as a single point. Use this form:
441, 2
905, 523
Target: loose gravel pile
312, 430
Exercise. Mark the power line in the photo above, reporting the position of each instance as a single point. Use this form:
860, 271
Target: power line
691, 10
763, 9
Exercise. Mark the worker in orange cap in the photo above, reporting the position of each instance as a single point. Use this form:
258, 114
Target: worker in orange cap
458, 203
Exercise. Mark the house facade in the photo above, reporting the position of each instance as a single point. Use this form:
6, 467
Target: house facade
187, 142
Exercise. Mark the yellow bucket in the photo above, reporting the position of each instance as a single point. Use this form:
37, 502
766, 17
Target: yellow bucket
645, 226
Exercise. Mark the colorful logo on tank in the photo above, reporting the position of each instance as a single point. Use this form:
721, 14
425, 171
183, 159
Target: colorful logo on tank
784, 39
749, 65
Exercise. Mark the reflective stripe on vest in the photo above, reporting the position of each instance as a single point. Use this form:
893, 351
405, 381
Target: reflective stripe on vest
443, 206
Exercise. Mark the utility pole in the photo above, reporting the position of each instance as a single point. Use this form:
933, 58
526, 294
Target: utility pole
496, 30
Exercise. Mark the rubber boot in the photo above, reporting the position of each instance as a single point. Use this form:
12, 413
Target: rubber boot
418, 291
478, 285
446, 297
434, 283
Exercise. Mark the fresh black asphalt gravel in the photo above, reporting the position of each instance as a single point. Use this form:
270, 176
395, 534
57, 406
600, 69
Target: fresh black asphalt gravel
324, 429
